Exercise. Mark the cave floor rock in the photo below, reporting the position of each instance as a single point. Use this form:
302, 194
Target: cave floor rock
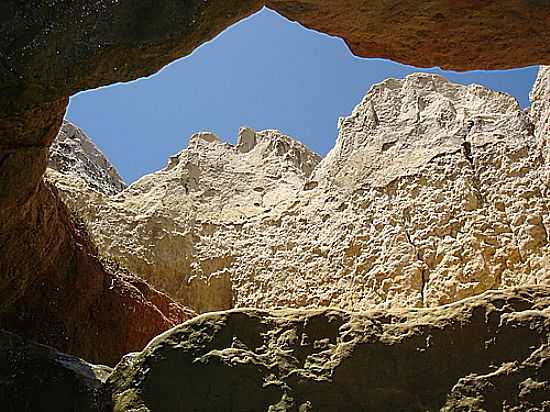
486, 353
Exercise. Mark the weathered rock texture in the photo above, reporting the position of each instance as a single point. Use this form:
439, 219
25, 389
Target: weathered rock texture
454, 35
49, 50
487, 353
56, 291
433, 193
170, 227
36, 378
540, 111
74, 154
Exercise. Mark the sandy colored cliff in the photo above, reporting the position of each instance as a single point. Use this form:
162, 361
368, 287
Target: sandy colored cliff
434, 192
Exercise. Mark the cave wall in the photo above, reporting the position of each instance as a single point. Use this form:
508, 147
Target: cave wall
50, 50
455, 35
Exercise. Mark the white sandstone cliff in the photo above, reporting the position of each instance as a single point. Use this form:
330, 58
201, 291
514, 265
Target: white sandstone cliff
434, 192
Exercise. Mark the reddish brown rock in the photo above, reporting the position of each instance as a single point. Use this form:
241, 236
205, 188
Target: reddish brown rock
74, 302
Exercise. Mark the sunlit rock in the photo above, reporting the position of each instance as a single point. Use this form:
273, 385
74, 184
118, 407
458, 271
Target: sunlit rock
434, 192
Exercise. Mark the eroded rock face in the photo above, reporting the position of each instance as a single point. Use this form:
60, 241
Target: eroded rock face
53, 49
74, 154
53, 288
156, 227
540, 111
442, 188
50, 50
433, 193
486, 353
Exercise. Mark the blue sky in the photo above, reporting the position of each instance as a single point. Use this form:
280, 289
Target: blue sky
264, 72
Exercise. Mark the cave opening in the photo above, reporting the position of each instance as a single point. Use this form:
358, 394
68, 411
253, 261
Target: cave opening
267, 73
421, 228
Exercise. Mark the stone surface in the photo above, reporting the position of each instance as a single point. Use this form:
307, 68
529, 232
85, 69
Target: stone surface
73, 153
51, 50
37, 378
454, 34
540, 111
65, 297
48, 51
433, 193
207, 191
486, 353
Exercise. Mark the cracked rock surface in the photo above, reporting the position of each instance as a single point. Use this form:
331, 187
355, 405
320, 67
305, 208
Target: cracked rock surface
434, 192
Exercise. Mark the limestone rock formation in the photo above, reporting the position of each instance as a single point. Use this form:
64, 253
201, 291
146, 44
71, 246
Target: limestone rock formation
443, 189
487, 353
99, 314
53, 288
49, 50
74, 154
207, 190
433, 193
36, 378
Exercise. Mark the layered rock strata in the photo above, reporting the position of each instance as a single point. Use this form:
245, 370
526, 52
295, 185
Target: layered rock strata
433, 193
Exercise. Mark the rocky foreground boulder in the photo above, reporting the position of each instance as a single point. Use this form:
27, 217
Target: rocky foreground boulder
487, 353
434, 192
